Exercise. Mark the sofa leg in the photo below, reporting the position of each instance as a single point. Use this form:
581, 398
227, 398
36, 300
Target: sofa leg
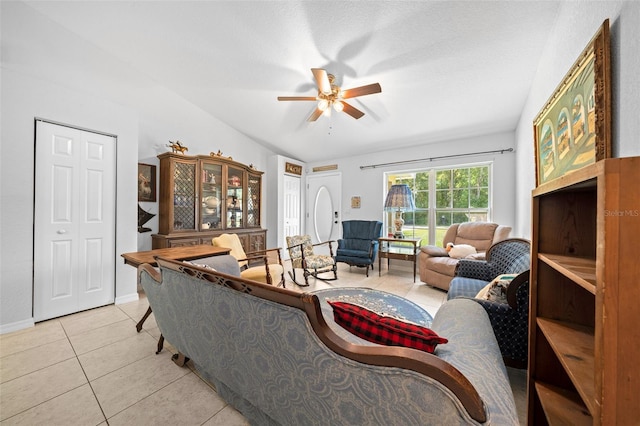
180, 359
143, 319
160, 344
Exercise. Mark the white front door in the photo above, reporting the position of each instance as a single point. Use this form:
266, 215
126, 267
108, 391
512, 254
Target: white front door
291, 208
323, 207
74, 221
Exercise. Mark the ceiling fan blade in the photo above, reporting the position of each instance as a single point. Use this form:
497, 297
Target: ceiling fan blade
317, 113
361, 91
322, 79
296, 98
352, 111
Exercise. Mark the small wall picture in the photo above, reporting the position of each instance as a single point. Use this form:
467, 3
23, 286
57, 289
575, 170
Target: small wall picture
146, 182
355, 202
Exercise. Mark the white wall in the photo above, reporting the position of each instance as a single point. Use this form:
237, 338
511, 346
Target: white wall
169, 118
369, 183
50, 73
576, 24
23, 99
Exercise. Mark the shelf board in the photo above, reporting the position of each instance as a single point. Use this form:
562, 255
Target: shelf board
574, 346
562, 407
579, 269
581, 178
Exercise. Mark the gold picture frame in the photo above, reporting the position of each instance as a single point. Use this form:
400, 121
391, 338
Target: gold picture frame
573, 129
293, 168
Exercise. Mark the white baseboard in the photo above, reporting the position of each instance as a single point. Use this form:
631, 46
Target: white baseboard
127, 298
15, 326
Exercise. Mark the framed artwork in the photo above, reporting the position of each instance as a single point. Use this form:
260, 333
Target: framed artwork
355, 202
293, 168
146, 182
574, 127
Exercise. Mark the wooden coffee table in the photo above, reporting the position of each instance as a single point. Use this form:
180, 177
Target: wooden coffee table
137, 258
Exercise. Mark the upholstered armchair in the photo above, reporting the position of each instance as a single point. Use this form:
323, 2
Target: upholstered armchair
509, 314
438, 269
263, 265
359, 243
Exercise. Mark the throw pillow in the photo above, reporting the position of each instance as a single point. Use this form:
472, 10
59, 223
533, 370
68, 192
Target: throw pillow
434, 251
496, 290
460, 251
383, 329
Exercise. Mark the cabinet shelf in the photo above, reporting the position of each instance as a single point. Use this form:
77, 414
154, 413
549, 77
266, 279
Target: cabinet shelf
582, 271
574, 346
562, 407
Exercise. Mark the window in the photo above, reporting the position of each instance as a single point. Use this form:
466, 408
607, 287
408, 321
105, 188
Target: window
442, 197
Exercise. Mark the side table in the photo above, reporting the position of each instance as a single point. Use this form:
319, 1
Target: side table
398, 248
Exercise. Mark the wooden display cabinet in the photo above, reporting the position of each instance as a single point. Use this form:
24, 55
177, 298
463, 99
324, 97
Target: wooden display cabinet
584, 339
204, 196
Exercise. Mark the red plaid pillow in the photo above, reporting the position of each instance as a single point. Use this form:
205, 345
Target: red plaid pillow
382, 329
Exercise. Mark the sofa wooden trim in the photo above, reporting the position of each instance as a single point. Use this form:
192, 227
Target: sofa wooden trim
387, 356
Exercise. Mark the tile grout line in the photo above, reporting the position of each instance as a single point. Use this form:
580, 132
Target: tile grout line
85, 375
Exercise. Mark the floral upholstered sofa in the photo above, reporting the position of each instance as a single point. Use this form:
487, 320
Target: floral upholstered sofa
271, 354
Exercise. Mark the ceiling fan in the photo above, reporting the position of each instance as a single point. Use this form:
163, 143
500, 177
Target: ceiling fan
330, 95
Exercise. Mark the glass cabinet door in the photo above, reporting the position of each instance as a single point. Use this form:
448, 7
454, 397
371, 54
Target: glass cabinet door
253, 201
235, 198
211, 206
184, 196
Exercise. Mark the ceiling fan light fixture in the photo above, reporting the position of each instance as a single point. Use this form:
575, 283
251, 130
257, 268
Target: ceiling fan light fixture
338, 106
323, 104
327, 112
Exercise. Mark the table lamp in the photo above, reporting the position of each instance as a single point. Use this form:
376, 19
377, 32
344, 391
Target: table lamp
399, 199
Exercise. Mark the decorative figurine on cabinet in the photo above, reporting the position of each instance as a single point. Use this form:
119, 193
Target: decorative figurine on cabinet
177, 147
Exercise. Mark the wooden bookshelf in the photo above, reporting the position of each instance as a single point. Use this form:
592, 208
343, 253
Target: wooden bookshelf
584, 342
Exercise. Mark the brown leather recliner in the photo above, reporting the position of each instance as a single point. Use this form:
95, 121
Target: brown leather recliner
438, 269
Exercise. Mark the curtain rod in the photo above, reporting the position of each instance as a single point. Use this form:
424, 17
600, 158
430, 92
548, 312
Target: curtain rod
497, 151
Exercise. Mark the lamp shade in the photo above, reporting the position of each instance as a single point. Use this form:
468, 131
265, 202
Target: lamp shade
399, 198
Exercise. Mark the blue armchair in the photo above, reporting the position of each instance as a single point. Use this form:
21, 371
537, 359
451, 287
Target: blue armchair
510, 320
359, 243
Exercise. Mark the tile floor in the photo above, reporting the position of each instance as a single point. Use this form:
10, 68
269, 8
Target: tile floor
93, 368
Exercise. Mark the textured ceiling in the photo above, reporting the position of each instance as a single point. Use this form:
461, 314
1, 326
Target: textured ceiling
448, 69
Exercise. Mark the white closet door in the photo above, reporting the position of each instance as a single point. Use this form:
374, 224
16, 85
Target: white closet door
74, 220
